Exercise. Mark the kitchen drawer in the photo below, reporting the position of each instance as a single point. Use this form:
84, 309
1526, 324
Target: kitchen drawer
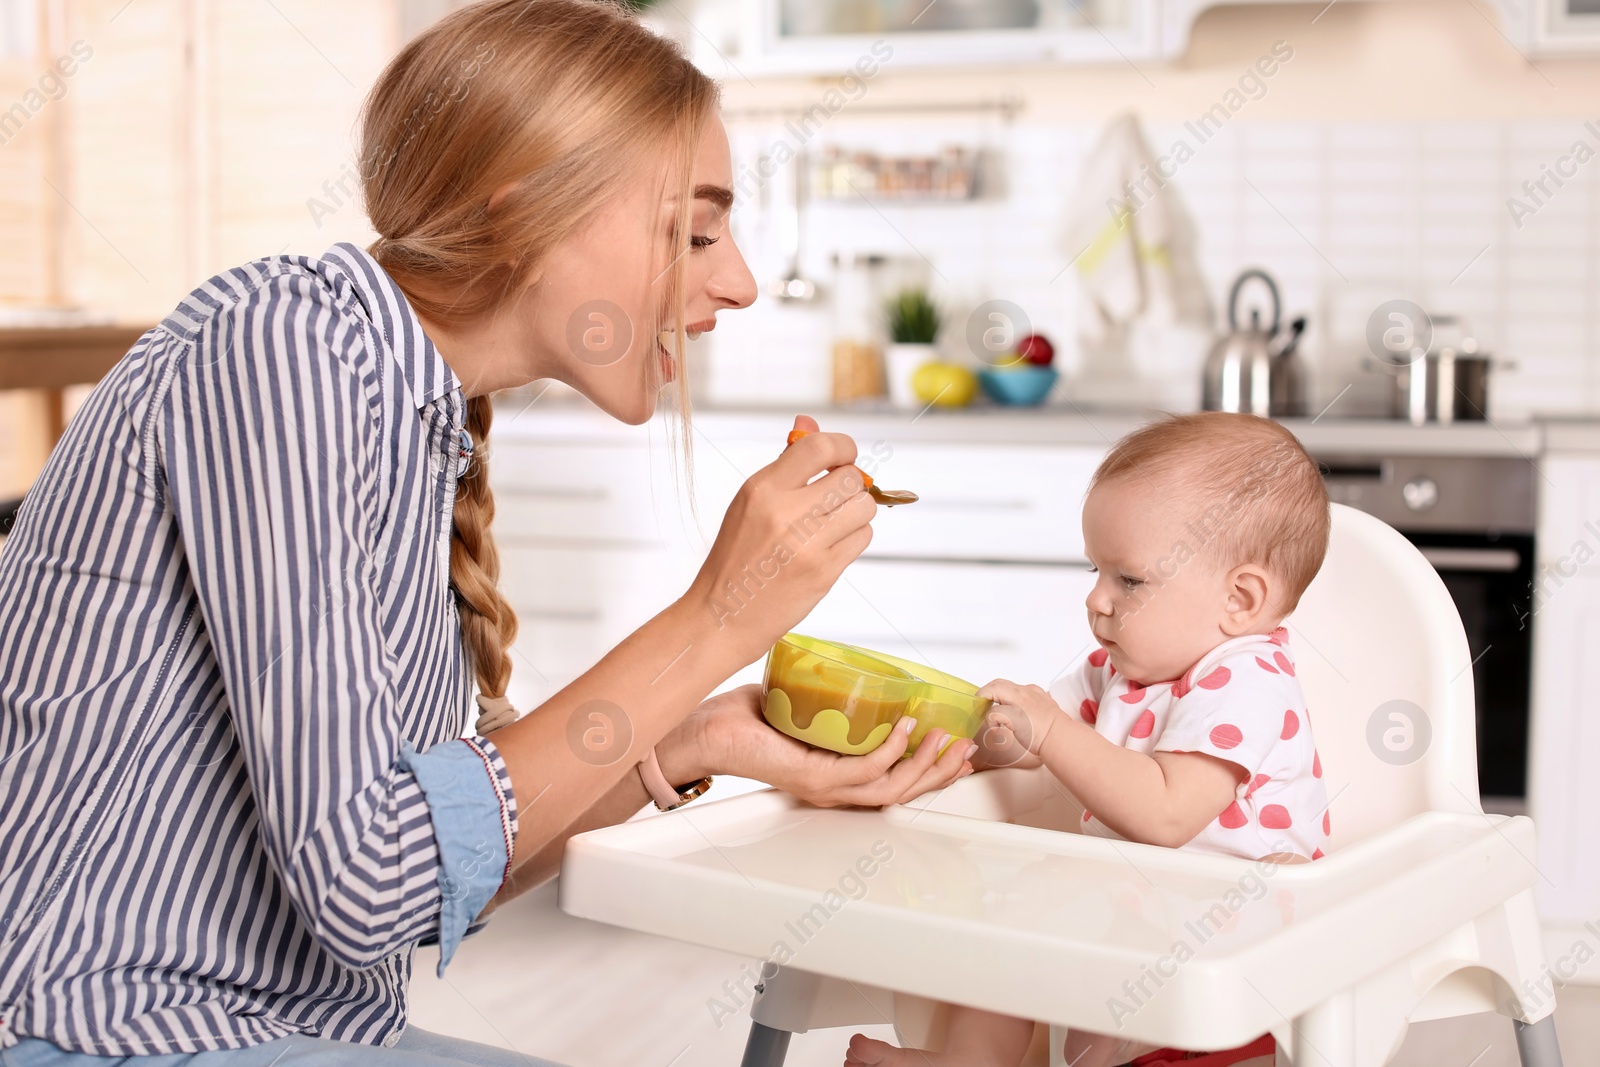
587, 494
549, 654
979, 621
983, 502
1568, 537
585, 584
978, 502
574, 605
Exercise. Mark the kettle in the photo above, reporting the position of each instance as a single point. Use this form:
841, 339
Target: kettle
1256, 370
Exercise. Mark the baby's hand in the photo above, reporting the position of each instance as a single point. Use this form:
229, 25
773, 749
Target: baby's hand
1015, 728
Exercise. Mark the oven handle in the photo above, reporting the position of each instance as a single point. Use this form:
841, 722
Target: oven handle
1501, 560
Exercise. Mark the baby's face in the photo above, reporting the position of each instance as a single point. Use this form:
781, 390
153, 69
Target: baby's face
1159, 601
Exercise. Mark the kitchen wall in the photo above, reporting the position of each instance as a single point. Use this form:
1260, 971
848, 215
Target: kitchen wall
190, 135
1375, 164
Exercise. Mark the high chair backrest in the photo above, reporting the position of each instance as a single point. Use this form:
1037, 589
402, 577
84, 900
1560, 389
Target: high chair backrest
1382, 656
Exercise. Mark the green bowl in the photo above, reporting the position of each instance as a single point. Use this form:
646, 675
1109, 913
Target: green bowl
846, 699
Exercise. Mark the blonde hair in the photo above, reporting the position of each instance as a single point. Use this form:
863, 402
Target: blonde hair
560, 100
1257, 496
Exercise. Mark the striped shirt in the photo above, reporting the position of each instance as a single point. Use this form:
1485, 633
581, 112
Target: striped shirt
234, 791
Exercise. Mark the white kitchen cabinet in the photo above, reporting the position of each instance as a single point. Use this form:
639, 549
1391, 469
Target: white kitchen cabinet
984, 577
574, 604
985, 502
978, 621
1564, 606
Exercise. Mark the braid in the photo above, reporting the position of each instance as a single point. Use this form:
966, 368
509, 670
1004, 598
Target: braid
488, 625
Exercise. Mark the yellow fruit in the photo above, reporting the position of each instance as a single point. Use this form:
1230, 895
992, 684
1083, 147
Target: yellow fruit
944, 385
1011, 361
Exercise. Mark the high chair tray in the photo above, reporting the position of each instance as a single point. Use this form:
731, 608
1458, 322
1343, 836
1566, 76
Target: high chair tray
1037, 922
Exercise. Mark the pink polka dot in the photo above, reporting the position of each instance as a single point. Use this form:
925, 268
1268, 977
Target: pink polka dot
1134, 694
1097, 658
1256, 783
1264, 665
1283, 663
1088, 711
1216, 679
1232, 817
1317, 855
1185, 682
1279, 636
1326, 828
1111, 669
1145, 725
1316, 765
1276, 817
1086, 815
1291, 725
1226, 735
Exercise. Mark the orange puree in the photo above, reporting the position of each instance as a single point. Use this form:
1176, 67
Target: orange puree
864, 711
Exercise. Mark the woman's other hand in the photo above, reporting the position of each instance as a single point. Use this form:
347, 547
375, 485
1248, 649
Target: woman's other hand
785, 540
737, 740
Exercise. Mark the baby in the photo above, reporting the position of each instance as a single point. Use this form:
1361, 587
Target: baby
1186, 727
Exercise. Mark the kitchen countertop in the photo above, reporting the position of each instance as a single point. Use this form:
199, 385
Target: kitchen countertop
521, 416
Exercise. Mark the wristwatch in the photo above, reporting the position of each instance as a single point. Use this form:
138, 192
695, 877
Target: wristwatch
665, 795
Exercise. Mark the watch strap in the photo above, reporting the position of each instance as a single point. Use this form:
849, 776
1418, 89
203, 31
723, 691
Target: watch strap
666, 795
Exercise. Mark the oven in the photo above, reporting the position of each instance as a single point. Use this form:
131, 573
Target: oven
1473, 518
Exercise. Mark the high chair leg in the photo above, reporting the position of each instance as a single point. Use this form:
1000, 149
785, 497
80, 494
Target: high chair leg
1536, 1043
766, 1047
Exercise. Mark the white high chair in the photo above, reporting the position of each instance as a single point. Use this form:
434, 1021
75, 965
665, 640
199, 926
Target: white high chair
1423, 909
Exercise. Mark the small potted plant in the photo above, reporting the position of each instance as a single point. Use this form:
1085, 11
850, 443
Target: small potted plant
914, 321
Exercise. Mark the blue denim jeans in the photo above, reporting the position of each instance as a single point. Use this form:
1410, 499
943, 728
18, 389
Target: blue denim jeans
416, 1048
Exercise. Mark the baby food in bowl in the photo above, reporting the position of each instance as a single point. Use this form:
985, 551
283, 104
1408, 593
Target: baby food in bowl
846, 699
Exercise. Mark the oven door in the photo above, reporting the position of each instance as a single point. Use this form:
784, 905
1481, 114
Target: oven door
1489, 576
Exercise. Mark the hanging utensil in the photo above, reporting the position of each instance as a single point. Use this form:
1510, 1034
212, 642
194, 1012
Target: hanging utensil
793, 287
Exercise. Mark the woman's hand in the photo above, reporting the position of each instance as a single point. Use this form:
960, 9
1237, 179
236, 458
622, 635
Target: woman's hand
1014, 730
737, 740
785, 540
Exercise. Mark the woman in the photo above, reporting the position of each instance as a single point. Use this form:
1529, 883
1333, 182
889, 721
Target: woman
247, 600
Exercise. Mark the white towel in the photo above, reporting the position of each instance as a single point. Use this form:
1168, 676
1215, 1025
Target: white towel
1132, 241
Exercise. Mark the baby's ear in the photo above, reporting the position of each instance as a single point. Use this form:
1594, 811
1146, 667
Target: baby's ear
1249, 599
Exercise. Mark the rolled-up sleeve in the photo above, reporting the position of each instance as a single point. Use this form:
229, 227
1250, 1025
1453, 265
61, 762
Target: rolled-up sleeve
268, 440
474, 823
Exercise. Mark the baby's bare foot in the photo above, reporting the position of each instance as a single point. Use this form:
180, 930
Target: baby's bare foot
869, 1052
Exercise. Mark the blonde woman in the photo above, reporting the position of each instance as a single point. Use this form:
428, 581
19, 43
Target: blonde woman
247, 603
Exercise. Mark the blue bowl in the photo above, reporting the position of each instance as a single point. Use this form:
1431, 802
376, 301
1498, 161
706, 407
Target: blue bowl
1018, 387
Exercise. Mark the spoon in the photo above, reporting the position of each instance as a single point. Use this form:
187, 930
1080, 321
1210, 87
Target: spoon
886, 497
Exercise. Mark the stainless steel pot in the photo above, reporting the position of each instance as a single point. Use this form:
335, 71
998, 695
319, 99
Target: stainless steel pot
1441, 387
1450, 383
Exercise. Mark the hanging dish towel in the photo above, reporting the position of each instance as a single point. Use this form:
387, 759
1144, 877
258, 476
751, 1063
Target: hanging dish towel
1132, 241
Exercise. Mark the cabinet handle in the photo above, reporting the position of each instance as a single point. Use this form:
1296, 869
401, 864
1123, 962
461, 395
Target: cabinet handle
974, 504
557, 615
555, 492
1472, 559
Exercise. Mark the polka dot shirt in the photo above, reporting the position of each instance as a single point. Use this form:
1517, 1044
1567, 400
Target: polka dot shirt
1240, 702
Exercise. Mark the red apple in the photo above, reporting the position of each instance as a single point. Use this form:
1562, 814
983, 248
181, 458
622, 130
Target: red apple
1036, 350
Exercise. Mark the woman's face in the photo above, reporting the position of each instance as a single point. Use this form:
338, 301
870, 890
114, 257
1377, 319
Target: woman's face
603, 300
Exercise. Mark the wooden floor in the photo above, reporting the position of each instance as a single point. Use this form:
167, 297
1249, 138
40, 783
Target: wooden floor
587, 995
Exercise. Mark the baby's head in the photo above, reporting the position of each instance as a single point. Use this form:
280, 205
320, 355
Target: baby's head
1203, 527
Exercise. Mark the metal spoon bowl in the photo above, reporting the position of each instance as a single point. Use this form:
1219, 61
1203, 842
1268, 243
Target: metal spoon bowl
890, 497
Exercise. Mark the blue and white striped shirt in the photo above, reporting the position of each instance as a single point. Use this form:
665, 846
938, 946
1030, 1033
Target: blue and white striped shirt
234, 792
